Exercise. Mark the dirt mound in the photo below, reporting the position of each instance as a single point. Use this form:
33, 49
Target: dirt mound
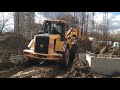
6, 65
12, 45
5, 54
10, 72
43, 70
14, 42
80, 69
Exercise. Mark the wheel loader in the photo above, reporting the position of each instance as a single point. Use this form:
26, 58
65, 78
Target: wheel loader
56, 42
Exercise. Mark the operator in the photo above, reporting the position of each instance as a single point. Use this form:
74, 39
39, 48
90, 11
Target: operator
55, 30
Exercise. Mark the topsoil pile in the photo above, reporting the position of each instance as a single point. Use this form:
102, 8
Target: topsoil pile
11, 46
81, 69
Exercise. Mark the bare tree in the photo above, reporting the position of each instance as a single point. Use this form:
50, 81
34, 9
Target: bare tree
6, 21
38, 17
84, 23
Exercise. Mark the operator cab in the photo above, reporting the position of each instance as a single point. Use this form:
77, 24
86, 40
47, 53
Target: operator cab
55, 27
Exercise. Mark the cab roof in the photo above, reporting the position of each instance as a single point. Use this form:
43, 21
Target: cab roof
56, 21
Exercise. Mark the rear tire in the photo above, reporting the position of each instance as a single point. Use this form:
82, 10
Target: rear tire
77, 54
73, 52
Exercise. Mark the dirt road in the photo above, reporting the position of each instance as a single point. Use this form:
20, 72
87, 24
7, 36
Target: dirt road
45, 70
79, 69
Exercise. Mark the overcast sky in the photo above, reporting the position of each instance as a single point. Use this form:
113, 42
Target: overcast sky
113, 18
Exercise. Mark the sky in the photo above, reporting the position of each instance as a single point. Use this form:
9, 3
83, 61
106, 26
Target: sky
10, 22
116, 13
113, 19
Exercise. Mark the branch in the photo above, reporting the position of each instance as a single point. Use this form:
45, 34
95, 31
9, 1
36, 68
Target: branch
5, 21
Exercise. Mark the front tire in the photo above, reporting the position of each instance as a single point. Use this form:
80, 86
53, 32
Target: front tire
65, 59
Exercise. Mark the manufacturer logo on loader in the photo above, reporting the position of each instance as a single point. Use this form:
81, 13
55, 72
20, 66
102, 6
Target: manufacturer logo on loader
41, 45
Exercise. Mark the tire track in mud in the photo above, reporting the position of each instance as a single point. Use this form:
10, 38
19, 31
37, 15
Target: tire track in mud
8, 73
79, 69
7, 69
47, 70
27, 70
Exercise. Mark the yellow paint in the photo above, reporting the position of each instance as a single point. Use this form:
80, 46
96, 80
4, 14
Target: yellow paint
31, 44
51, 46
51, 43
55, 36
70, 45
59, 45
41, 56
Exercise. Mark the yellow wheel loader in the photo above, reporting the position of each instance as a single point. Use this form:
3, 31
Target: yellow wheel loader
57, 42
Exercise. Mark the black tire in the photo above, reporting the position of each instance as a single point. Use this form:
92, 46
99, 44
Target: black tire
72, 52
65, 59
77, 54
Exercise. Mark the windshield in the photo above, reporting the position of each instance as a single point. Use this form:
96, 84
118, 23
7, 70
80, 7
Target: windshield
53, 27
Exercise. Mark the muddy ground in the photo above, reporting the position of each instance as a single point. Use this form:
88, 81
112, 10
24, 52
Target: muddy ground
12, 65
79, 69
